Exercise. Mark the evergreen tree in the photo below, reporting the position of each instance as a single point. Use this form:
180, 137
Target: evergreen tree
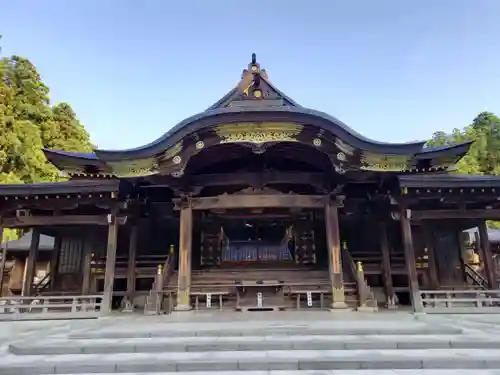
28, 123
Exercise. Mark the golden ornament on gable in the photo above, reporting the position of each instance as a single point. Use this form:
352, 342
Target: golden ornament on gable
258, 133
383, 163
135, 168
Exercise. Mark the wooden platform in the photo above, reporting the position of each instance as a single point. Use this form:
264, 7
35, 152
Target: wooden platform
223, 286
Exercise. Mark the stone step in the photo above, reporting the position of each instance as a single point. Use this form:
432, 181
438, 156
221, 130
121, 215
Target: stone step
252, 361
252, 343
375, 328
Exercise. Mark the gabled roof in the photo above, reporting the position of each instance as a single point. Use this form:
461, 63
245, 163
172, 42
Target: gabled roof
254, 79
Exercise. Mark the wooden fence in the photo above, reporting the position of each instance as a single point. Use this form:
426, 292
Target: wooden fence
461, 301
50, 307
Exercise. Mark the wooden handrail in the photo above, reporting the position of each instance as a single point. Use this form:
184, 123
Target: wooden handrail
476, 276
45, 280
364, 290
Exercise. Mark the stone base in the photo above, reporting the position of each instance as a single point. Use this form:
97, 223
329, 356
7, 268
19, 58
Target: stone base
391, 303
367, 309
182, 308
128, 306
153, 312
339, 306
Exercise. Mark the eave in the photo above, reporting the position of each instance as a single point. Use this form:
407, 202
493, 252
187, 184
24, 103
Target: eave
61, 188
299, 115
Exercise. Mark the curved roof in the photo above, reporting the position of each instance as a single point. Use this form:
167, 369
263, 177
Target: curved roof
302, 115
254, 100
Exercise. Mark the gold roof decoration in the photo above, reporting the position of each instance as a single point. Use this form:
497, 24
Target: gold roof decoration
135, 168
258, 133
383, 163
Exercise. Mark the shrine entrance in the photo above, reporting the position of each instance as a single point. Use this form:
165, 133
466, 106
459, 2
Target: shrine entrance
260, 237
257, 240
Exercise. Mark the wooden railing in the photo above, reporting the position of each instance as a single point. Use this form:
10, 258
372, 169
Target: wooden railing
42, 284
50, 307
461, 301
366, 297
142, 261
155, 299
475, 276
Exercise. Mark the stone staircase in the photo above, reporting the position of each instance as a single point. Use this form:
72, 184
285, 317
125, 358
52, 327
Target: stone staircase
322, 344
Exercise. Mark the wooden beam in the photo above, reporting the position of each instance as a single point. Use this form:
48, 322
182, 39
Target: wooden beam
259, 179
109, 276
493, 214
257, 201
86, 264
486, 255
317, 180
31, 262
431, 257
185, 254
386, 267
132, 254
411, 265
334, 256
33, 221
3, 246
63, 203
54, 261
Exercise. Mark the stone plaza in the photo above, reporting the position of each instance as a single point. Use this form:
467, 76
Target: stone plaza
309, 343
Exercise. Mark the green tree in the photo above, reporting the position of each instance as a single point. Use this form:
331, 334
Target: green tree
483, 157
484, 154
28, 123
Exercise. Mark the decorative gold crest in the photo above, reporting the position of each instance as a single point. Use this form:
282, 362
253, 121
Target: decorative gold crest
172, 151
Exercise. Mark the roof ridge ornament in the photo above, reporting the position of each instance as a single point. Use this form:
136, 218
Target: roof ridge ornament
249, 86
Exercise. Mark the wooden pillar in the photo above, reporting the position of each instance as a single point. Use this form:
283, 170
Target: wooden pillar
185, 244
109, 276
3, 246
31, 262
334, 256
462, 253
132, 255
486, 256
386, 268
54, 261
86, 265
431, 258
411, 266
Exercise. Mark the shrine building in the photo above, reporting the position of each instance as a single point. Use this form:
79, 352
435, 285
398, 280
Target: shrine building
257, 203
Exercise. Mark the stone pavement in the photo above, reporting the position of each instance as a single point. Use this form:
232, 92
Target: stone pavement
228, 343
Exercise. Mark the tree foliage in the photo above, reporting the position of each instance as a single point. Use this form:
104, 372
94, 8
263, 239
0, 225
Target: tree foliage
484, 155
28, 123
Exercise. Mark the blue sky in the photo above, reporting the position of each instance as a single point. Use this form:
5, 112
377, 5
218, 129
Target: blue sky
393, 70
